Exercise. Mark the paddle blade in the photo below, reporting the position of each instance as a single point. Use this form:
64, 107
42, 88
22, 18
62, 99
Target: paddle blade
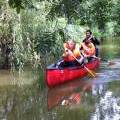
92, 73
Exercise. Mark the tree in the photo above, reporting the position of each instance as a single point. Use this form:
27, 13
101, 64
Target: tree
65, 8
101, 11
115, 17
5, 34
21, 4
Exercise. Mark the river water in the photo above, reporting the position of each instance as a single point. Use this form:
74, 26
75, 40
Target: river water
25, 96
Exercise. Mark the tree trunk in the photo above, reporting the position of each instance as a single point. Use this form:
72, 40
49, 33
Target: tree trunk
101, 26
5, 54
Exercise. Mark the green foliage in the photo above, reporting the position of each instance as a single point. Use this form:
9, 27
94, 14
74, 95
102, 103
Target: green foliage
80, 112
101, 11
90, 12
1, 3
36, 38
21, 4
64, 8
115, 16
95, 13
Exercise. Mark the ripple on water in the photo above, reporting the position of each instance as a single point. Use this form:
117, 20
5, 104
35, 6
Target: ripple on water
108, 105
108, 72
107, 108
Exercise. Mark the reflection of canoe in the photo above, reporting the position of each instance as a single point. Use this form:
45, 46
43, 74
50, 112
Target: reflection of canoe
56, 76
57, 94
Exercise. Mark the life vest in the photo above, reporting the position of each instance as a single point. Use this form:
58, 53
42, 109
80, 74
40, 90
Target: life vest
76, 52
88, 49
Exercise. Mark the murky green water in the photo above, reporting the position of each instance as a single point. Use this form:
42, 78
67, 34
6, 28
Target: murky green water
23, 98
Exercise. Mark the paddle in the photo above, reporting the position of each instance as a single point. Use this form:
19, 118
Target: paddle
109, 62
89, 71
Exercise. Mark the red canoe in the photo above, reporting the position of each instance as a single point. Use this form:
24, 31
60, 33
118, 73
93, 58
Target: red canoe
56, 76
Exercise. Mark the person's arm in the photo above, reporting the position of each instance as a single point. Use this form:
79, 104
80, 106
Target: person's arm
88, 50
65, 54
81, 45
92, 49
95, 41
85, 47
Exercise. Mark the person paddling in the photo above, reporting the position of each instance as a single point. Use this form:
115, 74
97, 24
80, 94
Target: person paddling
88, 49
71, 51
94, 40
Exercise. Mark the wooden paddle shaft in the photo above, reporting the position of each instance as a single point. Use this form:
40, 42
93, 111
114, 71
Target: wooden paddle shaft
84, 65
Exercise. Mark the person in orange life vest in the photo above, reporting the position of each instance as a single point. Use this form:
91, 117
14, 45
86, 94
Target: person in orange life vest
94, 40
88, 49
71, 49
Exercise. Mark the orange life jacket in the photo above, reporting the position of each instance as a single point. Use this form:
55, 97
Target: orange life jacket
76, 52
88, 49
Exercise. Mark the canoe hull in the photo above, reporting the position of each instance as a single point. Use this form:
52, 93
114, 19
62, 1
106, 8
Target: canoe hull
59, 76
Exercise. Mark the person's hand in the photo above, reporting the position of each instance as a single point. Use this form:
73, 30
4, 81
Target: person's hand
81, 60
82, 44
92, 36
65, 54
69, 52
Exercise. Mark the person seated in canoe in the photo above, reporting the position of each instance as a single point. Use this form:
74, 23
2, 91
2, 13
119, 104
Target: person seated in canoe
94, 40
88, 49
72, 55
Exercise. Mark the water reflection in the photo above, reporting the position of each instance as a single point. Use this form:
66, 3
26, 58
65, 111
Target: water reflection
98, 89
68, 94
96, 84
26, 77
95, 92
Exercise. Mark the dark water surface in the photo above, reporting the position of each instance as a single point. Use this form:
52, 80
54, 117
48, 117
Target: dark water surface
25, 96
